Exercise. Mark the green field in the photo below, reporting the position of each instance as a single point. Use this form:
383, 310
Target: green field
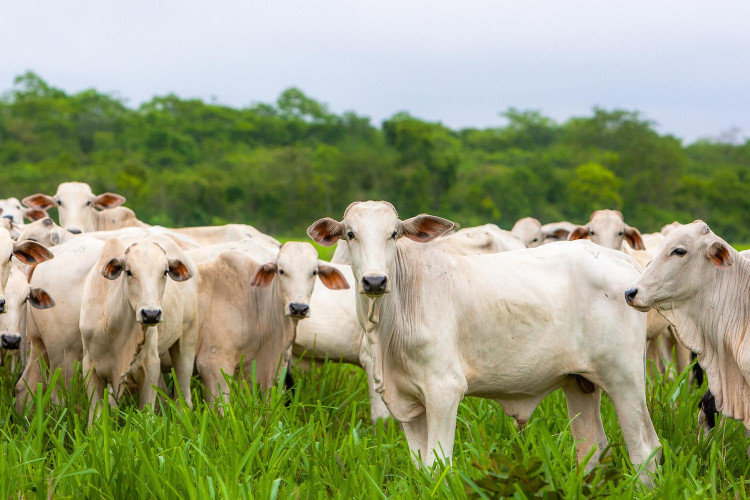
322, 445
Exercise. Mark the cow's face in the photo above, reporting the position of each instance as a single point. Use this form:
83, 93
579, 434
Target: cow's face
12, 209
608, 229
145, 268
18, 294
296, 268
528, 230
371, 230
43, 231
76, 205
689, 257
27, 252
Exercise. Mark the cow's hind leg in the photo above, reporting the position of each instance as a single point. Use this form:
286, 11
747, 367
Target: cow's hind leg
584, 411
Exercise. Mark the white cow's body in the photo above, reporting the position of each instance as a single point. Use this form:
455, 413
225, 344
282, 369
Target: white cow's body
501, 326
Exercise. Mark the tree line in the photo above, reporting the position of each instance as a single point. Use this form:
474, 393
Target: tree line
281, 166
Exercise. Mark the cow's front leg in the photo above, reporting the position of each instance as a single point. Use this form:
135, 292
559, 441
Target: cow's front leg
151, 371
441, 413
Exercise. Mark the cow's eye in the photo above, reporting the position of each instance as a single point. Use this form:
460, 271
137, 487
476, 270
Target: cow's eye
315, 273
350, 234
535, 240
393, 235
59, 203
166, 272
281, 272
591, 233
128, 272
619, 234
88, 203
679, 251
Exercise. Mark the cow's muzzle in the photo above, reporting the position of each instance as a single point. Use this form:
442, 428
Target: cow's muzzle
74, 230
298, 310
374, 285
10, 341
8, 216
151, 316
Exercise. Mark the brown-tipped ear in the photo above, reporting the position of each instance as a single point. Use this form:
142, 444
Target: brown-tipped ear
264, 275
559, 233
579, 233
720, 255
325, 232
424, 228
113, 268
34, 214
40, 299
633, 237
332, 277
31, 252
178, 271
108, 200
39, 201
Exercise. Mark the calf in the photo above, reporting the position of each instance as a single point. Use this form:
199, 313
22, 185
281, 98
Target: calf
77, 208
500, 326
138, 303
252, 310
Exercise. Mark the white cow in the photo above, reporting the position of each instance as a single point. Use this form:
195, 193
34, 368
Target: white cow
138, 303
251, 311
77, 208
12, 210
26, 252
699, 283
18, 293
500, 326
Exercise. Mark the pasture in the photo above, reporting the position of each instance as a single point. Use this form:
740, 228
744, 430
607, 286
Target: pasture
321, 444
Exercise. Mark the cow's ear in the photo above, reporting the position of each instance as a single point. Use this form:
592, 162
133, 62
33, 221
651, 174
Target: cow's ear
39, 201
34, 214
325, 232
424, 228
580, 232
558, 234
332, 277
633, 237
264, 275
113, 268
108, 200
31, 252
178, 271
720, 255
40, 299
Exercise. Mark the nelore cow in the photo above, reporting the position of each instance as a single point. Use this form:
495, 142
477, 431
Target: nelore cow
251, 310
700, 284
81, 211
500, 326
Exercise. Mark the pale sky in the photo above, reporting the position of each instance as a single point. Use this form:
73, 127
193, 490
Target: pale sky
683, 64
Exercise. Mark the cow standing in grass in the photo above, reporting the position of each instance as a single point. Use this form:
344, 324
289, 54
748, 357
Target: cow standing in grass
512, 327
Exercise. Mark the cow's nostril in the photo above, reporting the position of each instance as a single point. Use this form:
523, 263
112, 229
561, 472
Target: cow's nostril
74, 230
151, 316
374, 285
299, 309
630, 295
2, 305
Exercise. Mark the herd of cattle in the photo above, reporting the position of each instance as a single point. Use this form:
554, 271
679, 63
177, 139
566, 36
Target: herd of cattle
431, 314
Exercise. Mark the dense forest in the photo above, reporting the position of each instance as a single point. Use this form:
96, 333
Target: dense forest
281, 166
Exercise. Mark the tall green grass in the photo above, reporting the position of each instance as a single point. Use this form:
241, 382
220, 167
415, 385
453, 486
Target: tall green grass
319, 443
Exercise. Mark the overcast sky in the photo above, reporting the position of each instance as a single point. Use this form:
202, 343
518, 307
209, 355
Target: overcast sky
684, 64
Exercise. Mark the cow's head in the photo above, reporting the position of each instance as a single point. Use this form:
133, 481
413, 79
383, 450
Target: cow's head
295, 269
45, 232
371, 230
76, 205
689, 257
144, 268
608, 229
528, 230
14, 211
27, 252
18, 293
